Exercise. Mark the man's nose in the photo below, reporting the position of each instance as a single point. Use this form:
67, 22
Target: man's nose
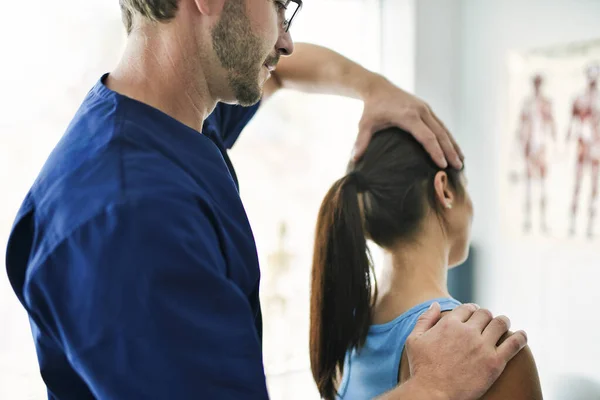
285, 44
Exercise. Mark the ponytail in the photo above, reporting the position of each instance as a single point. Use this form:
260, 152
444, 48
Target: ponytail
340, 305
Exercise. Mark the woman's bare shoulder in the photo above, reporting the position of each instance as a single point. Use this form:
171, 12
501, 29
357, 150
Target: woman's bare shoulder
519, 381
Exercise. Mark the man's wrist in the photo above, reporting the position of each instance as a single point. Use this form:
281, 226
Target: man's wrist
371, 84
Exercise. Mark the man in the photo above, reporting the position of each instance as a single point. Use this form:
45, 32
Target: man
585, 121
132, 252
537, 123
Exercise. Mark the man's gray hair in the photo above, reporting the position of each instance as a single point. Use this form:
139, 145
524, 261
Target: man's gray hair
153, 10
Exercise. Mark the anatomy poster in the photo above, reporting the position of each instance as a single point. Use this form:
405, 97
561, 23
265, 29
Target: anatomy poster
551, 147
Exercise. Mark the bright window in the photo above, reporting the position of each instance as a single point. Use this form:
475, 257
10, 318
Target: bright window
287, 158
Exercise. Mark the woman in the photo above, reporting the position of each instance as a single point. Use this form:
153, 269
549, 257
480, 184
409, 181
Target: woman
421, 216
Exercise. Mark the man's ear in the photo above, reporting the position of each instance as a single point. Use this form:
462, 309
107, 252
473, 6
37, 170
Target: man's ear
210, 7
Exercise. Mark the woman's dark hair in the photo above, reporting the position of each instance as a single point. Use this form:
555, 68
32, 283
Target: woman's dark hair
395, 179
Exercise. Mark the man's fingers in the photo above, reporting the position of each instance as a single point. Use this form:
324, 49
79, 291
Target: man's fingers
362, 141
480, 319
512, 345
359, 149
430, 142
454, 143
443, 139
427, 130
496, 328
428, 319
463, 312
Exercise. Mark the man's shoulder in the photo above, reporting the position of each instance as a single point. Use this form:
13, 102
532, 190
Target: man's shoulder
103, 188
117, 152
109, 221
112, 151
104, 181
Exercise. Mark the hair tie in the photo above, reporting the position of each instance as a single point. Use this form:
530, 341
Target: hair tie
360, 181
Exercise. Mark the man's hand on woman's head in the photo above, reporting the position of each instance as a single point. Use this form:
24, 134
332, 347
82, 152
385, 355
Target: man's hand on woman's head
457, 357
387, 105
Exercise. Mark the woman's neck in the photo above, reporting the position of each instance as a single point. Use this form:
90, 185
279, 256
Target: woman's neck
412, 274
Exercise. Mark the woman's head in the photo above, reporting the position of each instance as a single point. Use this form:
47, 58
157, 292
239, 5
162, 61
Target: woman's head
400, 189
394, 195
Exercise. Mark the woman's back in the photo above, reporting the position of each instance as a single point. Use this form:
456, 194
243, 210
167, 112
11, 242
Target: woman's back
374, 369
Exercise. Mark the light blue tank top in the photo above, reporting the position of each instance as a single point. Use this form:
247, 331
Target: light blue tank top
373, 370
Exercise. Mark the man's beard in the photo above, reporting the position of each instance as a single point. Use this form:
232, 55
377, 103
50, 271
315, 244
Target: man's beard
237, 48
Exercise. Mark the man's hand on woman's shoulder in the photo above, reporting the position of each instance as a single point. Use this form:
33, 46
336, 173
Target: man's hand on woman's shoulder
457, 357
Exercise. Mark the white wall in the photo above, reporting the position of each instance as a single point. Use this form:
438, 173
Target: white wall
397, 27
437, 61
461, 69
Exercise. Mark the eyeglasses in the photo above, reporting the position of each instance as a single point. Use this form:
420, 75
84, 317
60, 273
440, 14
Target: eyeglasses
291, 8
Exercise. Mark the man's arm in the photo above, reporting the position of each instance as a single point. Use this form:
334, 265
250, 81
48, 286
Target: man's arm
316, 69
456, 358
140, 300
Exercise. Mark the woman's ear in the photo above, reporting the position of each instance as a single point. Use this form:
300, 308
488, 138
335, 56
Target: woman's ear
443, 190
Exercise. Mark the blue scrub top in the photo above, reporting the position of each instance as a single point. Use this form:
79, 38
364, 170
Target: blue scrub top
135, 261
